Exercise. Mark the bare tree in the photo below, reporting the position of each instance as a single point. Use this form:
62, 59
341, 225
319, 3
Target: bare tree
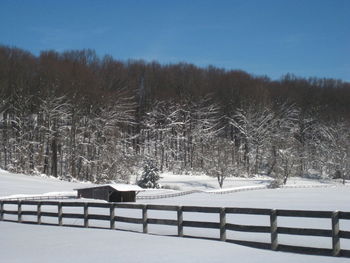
254, 127
218, 162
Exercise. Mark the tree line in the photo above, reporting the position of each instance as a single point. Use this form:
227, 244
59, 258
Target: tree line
76, 115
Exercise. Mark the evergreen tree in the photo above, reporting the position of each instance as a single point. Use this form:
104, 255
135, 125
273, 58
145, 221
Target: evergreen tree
150, 175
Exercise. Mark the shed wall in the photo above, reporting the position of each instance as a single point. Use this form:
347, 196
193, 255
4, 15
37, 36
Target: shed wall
107, 194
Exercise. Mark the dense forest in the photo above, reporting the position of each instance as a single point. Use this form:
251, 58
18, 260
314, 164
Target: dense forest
76, 115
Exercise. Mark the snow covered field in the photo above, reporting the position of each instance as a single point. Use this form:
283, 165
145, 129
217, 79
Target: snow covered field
206, 183
19, 184
38, 244
64, 244
13, 184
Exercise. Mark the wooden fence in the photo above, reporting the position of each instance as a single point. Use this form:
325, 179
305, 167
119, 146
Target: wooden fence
39, 197
168, 195
335, 234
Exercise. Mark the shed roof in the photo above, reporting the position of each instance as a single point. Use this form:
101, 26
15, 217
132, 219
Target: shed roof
117, 187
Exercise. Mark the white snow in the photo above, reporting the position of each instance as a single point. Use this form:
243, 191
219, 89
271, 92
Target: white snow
40, 244
207, 183
14, 184
63, 244
24, 185
49, 195
237, 189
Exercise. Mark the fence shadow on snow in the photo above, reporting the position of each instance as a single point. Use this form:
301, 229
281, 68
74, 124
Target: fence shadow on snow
54, 210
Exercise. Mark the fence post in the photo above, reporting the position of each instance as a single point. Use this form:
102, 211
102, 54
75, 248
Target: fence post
222, 224
39, 213
335, 234
1, 210
273, 225
112, 214
19, 211
180, 219
144, 219
86, 215
60, 214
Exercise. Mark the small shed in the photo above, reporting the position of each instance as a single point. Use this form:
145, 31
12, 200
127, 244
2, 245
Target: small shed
111, 192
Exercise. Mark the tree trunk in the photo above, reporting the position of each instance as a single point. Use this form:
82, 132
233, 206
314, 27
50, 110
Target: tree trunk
54, 158
274, 161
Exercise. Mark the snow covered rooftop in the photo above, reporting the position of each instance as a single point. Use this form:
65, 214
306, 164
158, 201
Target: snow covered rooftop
117, 187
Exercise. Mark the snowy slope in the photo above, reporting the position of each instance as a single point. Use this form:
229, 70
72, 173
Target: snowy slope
12, 184
206, 183
63, 244
329, 198
41, 244
15, 184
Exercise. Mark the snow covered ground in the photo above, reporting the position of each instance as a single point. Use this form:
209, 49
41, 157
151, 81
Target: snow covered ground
206, 183
64, 244
39, 244
14, 184
17, 185
328, 198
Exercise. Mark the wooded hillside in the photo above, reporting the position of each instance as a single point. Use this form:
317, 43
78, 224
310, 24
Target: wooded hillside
76, 115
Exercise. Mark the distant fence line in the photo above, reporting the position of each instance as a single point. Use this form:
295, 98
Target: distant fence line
148, 197
234, 190
169, 195
223, 191
238, 189
222, 226
39, 197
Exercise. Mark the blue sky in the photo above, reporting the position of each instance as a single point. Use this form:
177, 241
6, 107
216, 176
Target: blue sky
264, 37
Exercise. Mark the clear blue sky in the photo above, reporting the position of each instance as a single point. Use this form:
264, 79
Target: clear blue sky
263, 37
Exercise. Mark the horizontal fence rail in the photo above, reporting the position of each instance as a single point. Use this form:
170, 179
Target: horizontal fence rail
230, 191
169, 195
160, 196
112, 218
39, 197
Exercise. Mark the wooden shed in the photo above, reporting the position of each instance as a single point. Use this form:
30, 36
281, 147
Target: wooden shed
110, 192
